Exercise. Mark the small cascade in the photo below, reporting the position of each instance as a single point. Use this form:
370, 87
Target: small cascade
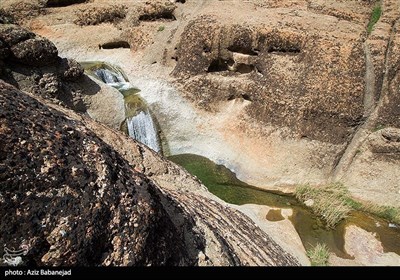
109, 77
142, 128
139, 121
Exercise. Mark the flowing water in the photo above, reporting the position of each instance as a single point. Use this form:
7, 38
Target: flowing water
142, 128
139, 123
223, 183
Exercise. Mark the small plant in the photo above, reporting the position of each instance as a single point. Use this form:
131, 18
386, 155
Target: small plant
318, 255
161, 28
375, 15
333, 203
390, 213
378, 127
329, 202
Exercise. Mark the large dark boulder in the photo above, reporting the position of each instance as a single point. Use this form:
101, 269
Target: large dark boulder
31, 63
35, 52
4, 51
13, 34
68, 198
27, 48
71, 198
70, 69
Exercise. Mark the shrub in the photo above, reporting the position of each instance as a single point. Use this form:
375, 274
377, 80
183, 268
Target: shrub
329, 202
318, 255
333, 203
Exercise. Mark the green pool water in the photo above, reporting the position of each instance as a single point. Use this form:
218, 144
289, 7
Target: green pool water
223, 183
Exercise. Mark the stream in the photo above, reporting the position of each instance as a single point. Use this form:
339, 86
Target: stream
141, 125
223, 183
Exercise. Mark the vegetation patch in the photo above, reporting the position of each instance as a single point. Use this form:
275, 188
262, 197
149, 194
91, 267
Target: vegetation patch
375, 15
378, 127
389, 213
333, 203
318, 255
329, 202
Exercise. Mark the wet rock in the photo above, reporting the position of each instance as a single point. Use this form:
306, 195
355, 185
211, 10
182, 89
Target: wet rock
309, 202
365, 249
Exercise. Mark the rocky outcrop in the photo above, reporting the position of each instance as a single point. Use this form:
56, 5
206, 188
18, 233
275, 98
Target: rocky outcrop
312, 82
72, 199
21, 10
157, 10
96, 15
364, 249
370, 165
31, 63
287, 60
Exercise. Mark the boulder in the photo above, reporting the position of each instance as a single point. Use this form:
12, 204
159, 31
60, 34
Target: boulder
70, 70
50, 84
69, 198
4, 50
13, 34
35, 52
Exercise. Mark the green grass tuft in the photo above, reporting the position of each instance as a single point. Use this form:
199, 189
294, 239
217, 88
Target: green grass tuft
318, 255
329, 202
161, 28
334, 203
378, 127
375, 15
390, 213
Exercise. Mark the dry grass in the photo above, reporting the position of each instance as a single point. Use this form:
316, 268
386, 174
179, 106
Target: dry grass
318, 255
330, 202
392, 214
333, 203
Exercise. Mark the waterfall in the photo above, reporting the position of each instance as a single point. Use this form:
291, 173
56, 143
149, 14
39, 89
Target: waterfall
142, 128
110, 77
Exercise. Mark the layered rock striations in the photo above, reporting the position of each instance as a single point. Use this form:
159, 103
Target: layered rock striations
74, 200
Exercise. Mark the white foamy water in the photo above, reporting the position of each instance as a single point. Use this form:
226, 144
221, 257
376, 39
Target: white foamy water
142, 128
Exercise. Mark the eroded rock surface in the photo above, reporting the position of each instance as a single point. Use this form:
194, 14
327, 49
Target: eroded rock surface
74, 200
365, 250
314, 83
